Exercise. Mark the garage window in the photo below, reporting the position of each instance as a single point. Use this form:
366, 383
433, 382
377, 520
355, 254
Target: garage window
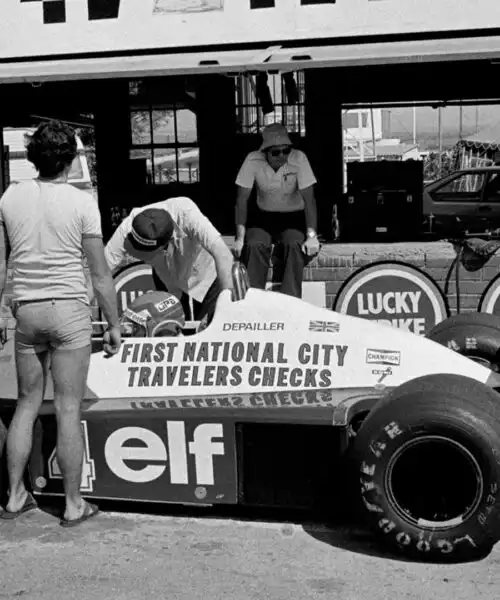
250, 116
165, 144
464, 184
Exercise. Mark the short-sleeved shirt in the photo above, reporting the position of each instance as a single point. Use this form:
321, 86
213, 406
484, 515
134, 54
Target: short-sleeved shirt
277, 191
187, 264
45, 224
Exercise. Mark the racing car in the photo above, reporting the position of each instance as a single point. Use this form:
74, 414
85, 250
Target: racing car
279, 402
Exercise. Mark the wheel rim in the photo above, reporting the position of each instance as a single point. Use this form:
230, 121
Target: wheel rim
434, 482
485, 362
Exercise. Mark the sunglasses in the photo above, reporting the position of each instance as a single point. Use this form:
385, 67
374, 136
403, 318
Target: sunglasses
280, 152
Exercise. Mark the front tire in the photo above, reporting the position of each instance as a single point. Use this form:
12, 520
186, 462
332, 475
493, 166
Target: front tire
428, 457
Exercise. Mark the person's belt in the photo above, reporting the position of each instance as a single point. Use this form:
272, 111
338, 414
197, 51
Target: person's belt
33, 300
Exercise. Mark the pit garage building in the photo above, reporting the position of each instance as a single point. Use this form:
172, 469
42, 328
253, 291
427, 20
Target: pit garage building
119, 66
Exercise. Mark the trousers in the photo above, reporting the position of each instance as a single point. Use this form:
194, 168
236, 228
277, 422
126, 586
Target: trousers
286, 231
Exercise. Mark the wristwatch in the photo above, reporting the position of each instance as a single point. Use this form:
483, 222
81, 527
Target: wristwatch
311, 234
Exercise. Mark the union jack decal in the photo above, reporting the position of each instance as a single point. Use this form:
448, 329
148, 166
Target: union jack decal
324, 326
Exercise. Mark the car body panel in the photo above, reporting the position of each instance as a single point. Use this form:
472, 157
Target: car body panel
469, 197
267, 342
272, 342
166, 420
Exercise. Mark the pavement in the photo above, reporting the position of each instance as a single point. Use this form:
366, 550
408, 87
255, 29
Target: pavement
189, 554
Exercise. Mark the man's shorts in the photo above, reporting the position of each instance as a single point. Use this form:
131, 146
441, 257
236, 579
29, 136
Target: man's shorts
56, 324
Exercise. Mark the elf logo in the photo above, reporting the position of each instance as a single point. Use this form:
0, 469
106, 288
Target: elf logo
138, 455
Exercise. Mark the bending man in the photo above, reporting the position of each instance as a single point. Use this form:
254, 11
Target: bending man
187, 253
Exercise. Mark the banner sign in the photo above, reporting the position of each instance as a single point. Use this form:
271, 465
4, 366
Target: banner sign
395, 294
490, 298
41, 28
156, 460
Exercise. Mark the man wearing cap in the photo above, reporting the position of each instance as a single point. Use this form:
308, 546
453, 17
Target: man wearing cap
187, 253
286, 210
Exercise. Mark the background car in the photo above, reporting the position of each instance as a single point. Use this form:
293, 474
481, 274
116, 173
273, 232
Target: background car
466, 200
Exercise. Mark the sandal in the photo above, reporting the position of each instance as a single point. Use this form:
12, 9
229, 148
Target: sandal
90, 510
29, 504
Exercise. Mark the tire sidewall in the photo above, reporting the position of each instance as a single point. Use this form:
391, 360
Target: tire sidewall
390, 431
472, 341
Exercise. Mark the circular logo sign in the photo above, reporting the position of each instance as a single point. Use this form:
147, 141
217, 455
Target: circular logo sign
133, 281
395, 294
490, 299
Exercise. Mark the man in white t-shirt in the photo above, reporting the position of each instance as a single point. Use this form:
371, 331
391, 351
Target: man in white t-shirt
286, 210
46, 228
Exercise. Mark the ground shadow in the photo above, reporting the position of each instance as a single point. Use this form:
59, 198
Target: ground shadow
347, 532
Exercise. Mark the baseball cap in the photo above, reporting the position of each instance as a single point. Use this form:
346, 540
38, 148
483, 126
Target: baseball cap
275, 135
151, 228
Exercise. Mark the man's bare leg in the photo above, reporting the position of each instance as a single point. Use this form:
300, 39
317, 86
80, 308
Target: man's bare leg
31, 379
69, 373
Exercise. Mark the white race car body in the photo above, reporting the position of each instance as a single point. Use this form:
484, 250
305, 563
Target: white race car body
166, 419
269, 342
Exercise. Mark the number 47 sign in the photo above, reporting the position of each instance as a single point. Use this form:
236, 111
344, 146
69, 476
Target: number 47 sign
88, 467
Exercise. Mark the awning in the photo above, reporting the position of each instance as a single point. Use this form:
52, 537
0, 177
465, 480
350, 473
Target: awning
241, 61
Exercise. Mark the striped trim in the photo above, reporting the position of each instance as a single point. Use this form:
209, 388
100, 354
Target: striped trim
141, 240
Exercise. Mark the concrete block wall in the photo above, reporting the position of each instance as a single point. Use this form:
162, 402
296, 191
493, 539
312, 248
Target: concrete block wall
337, 262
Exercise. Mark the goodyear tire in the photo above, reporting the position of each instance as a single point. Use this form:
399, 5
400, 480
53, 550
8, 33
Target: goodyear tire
428, 457
476, 335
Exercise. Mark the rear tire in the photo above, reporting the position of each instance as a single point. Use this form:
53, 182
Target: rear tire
475, 335
428, 457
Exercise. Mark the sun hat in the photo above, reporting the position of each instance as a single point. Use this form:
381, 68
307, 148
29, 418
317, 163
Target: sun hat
275, 135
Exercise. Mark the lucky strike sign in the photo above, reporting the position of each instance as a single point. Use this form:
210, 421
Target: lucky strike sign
131, 282
393, 294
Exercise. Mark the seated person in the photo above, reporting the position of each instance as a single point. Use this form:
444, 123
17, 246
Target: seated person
286, 210
154, 314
